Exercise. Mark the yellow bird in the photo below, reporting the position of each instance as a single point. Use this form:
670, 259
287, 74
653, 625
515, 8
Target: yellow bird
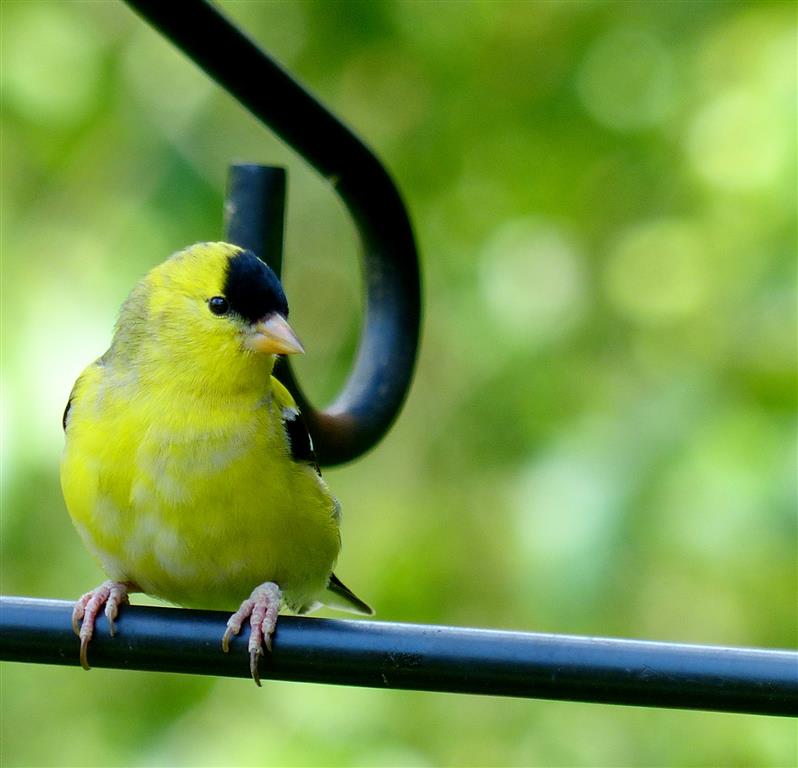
188, 470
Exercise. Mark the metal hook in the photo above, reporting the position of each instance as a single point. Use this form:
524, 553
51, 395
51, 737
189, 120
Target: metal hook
375, 390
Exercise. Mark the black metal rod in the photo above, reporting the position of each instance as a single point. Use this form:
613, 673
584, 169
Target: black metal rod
427, 658
254, 210
375, 390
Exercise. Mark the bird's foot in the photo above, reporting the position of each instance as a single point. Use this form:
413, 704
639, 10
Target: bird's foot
112, 595
261, 608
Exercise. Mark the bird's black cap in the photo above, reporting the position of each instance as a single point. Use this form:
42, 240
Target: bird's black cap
252, 289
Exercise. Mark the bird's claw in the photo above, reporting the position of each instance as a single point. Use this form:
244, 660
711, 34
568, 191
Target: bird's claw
254, 658
234, 623
77, 616
261, 608
110, 594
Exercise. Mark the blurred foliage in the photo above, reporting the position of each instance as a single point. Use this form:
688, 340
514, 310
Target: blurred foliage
600, 437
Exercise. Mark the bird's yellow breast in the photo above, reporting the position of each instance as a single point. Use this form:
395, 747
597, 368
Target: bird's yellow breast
194, 498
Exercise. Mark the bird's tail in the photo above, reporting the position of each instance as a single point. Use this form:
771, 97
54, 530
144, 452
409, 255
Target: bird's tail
338, 595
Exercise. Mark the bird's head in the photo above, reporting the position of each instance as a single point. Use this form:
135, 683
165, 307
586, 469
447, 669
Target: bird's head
212, 310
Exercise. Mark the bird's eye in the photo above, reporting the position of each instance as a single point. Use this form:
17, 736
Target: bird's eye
218, 305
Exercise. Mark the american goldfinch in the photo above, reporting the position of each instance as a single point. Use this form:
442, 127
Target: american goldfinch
188, 470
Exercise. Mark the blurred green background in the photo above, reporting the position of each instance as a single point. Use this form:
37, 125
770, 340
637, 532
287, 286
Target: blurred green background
600, 436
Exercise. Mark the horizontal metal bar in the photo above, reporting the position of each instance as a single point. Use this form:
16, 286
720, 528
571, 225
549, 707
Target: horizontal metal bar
419, 657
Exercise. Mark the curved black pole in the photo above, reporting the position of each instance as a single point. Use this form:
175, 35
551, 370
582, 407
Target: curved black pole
375, 390
412, 656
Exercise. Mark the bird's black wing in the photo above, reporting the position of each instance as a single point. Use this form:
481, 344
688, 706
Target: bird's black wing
66, 410
300, 443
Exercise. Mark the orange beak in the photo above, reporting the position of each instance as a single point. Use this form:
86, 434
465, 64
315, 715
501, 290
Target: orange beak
273, 336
